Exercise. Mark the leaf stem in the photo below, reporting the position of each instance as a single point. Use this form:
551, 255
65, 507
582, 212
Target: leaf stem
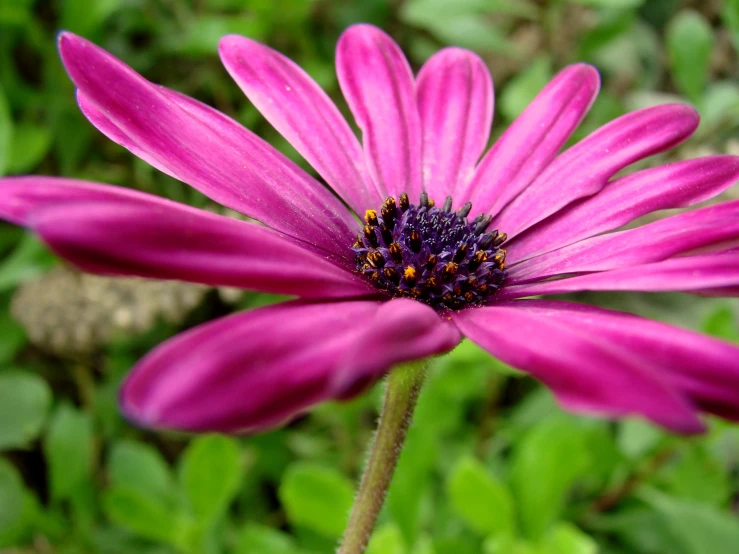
403, 387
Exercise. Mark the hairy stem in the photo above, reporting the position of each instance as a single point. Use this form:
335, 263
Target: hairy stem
403, 387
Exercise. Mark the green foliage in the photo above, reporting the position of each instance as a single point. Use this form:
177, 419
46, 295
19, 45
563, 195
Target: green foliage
68, 447
545, 464
16, 505
481, 500
689, 39
6, 134
210, 475
317, 498
524, 87
24, 404
139, 466
491, 464
700, 529
140, 513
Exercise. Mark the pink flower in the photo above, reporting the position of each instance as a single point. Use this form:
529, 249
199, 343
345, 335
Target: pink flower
417, 277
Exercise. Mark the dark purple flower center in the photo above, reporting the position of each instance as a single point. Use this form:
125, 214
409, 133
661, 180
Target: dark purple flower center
431, 254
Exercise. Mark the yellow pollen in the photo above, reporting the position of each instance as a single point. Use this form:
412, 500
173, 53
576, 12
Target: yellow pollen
410, 272
370, 215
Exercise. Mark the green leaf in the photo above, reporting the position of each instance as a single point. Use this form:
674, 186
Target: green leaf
203, 33
545, 464
730, 15
637, 437
614, 4
30, 258
16, 505
460, 23
521, 90
412, 481
68, 446
689, 41
24, 404
259, 539
565, 538
12, 337
719, 106
83, 17
210, 475
701, 529
6, 133
141, 514
722, 323
317, 498
387, 539
424, 545
698, 477
139, 466
30, 145
480, 499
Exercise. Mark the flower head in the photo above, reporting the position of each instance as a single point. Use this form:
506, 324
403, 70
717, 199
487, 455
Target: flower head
452, 240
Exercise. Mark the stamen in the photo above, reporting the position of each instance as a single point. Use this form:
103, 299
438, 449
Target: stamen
464, 211
396, 252
376, 259
391, 274
369, 234
415, 241
404, 202
476, 261
449, 271
460, 253
386, 234
431, 262
410, 275
482, 224
431, 254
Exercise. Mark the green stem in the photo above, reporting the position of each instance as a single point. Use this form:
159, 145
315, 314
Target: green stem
403, 386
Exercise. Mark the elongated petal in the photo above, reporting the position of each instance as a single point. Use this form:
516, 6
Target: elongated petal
203, 148
533, 140
455, 100
585, 372
704, 369
585, 168
671, 186
689, 274
23, 197
714, 227
114, 231
377, 82
254, 370
304, 114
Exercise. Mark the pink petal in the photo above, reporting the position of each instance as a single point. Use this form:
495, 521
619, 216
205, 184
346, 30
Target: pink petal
23, 197
714, 227
304, 114
377, 82
702, 368
455, 100
585, 372
675, 185
114, 231
533, 140
255, 370
690, 274
203, 148
585, 168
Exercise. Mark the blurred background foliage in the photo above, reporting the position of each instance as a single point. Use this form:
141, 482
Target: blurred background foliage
491, 466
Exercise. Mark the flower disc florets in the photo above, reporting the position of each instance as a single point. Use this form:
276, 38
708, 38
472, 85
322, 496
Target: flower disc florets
431, 254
